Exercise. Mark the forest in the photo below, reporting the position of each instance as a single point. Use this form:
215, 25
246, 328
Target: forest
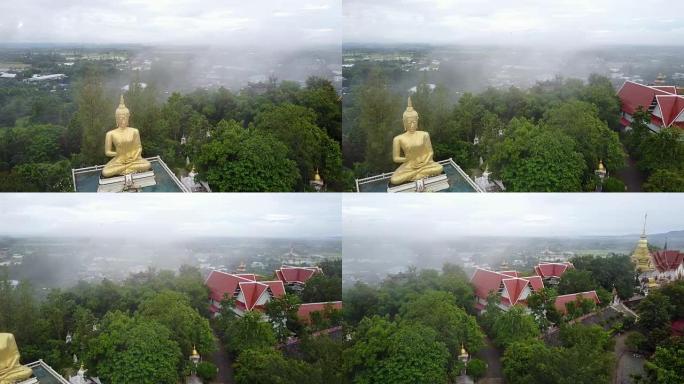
144, 329
270, 136
411, 328
548, 138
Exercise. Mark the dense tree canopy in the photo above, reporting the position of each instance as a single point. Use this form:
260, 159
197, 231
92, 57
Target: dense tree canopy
383, 351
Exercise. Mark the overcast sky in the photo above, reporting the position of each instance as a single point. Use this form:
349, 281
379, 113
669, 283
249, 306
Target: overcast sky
505, 214
171, 215
559, 23
275, 23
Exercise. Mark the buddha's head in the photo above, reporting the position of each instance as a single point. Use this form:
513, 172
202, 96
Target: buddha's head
122, 114
410, 118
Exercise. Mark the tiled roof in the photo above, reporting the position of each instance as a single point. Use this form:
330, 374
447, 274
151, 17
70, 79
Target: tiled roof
486, 281
667, 260
296, 274
562, 300
515, 287
546, 270
305, 310
634, 95
221, 283
252, 291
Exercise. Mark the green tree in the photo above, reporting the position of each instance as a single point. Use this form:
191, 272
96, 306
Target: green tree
95, 114
662, 150
514, 325
534, 159
44, 177
387, 352
542, 305
249, 332
282, 314
528, 362
307, 144
453, 325
241, 160
322, 288
269, 366
575, 280
133, 350
665, 180
189, 329
666, 366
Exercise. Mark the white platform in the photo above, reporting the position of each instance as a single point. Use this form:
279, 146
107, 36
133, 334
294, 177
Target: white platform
131, 182
428, 184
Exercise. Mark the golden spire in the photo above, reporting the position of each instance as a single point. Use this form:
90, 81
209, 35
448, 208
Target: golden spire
317, 176
601, 167
643, 232
194, 350
463, 351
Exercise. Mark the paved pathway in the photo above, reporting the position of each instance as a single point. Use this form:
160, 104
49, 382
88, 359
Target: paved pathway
492, 357
225, 366
626, 362
631, 176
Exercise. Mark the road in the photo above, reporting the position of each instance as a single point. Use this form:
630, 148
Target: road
631, 176
626, 362
222, 360
492, 357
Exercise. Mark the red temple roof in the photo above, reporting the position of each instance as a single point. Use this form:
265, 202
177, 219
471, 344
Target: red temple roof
562, 300
277, 287
515, 287
486, 281
634, 95
305, 310
667, 260
252, 291
671, 107
546, 270
296, 274
536, 282
221, 283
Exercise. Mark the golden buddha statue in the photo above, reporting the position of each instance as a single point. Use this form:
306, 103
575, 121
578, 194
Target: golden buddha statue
10, 369
417, 162
123, 144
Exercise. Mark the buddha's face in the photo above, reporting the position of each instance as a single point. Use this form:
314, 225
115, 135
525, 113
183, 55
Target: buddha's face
122, 120
411, 124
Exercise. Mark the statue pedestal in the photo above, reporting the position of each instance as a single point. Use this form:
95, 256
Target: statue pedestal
133, 182
428, 184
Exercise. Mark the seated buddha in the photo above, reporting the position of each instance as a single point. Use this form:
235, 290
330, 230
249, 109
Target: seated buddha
416, 162
10, 369
123, 145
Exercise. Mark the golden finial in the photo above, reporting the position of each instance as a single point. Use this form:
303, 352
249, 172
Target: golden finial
601, 167
194, 350
121, 109
317, 176
463, 351
410, 112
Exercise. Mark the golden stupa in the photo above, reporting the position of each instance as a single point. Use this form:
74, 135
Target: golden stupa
641, 257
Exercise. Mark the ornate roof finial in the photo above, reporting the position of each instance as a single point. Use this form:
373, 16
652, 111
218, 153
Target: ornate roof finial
317, 176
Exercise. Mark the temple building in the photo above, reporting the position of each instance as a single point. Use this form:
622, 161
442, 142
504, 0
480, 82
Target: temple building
655, 268
513, 289
663, 102
252, 294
